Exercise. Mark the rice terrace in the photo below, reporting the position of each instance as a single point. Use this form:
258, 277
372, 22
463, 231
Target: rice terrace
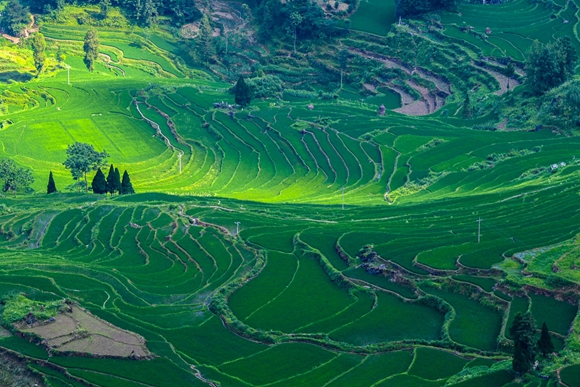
325, 193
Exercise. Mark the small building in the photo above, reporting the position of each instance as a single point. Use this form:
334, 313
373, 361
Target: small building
488, 31
310, 106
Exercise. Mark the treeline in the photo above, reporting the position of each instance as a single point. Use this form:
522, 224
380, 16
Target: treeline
144, 12
298, 19
416, 7
550, 65
112, 184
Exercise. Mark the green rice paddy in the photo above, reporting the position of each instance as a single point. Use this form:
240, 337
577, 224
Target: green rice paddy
239, 259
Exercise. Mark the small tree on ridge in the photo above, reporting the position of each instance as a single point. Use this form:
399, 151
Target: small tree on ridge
242, 92
51, 187
38, 49
126, 186
99, 183
83, 158
91, 48
545, 344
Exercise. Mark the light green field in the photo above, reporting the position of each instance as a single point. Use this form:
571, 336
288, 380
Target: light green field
289, 301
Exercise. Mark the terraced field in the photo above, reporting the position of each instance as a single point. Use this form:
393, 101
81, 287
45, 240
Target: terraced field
293, 245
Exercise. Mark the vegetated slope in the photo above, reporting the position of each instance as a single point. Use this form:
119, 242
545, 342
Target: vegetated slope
381, 292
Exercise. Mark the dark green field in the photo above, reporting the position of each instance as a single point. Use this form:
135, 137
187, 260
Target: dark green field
293, 245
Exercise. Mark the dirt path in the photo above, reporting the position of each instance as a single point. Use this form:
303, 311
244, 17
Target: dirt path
426, 95
157, 128
421, 107
26, 31
108, 61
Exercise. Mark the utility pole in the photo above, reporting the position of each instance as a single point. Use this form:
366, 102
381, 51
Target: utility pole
343, 197
237, 227
478, 230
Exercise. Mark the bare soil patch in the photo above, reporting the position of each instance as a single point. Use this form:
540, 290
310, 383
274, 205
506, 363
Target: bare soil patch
4, 333
77, 330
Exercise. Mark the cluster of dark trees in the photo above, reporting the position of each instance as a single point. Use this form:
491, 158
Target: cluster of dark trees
523, 331
83, 158
112, 184
550, 65
297, 19
416, 7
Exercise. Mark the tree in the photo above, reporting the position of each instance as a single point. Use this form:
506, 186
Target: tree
111, 180
295, 21
148, 12
83, 158
60, 56
14, 178
38, 49
242, 92
416, 7
99, 184
91, 48
509, 72
117, 181
545, 345
523, 330
126, 186
205, 47
15, 17
467, 106
567, 55
51, 187
105, 6
550, 65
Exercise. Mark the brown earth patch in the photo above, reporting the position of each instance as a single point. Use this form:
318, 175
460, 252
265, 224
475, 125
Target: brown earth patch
4, 333
77, 330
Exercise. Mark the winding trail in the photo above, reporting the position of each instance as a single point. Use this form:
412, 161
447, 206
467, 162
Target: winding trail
157, 128
108, 62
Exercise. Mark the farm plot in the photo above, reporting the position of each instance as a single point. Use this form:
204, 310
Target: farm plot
446, 364
97, 338
482, 335
374, 16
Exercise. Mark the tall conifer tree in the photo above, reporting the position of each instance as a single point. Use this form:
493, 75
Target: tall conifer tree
110, 180
242, 92
99, 183
545, 344
51, 187
117, 181
126, 186
523, 330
